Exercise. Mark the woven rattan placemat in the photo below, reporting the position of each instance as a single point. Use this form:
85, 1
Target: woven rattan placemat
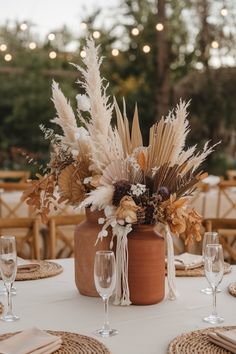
196, 342
46, 269
199, 272
232, 289
73, 343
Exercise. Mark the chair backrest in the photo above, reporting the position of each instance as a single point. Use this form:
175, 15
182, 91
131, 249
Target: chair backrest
14, 176
231, 175
226, 203
11, 205
227, 232
199, 198
26, 231
57, 231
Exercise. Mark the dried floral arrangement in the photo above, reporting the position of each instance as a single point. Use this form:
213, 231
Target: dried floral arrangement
95, 165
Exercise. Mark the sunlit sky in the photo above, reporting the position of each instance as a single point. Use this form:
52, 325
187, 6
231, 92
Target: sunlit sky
47, 15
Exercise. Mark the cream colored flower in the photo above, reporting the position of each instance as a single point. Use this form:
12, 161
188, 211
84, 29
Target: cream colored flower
127, 210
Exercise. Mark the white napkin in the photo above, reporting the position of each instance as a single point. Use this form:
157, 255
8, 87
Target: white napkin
188, 261
25, 265
31, 341
225, 339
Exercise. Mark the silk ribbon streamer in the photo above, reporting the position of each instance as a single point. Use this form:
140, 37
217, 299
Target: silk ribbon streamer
173, 293
122, 295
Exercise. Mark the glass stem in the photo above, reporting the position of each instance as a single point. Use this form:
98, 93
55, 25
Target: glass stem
106, 325
214, 312
9, 299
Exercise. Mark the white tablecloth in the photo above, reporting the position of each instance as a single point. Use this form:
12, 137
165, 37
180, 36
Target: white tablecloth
54, 303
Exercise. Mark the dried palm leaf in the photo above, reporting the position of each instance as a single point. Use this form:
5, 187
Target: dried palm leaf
136, 135
70, 186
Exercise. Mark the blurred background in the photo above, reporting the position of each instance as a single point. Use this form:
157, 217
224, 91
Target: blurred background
156, 52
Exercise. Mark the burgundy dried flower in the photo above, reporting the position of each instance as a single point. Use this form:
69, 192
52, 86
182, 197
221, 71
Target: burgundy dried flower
122, 188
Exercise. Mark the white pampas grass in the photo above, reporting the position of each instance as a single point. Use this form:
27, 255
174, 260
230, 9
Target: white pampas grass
83, 103
99, 198
65, 115
106, 145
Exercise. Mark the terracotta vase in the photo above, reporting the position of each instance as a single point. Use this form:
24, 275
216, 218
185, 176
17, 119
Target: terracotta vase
84, 243
146, 268
146, 272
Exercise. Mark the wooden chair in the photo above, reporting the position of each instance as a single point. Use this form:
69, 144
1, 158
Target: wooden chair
14, 176
201, 194
226, 195
56, 233
227, 232
30, 238
13, 207
231, 175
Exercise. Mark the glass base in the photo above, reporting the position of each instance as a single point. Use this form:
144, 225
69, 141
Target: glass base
213, 319
9, 318
106, 332
208, 291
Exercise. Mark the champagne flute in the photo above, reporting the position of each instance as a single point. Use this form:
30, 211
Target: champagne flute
209, 238
105, 281
8, 268
214, 270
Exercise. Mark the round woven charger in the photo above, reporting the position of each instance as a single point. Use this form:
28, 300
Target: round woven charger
1, 308
73, 343
232, 289
46, 269
197, 342
199, 272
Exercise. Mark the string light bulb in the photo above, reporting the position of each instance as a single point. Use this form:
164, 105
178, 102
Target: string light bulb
23, 26
83, 54
32, 45
146, 49
115, 52
159, 26
224, 12
96, 34
83, 25
52, 55
135, 31
51, 36
215, 44
3, 47
8, 57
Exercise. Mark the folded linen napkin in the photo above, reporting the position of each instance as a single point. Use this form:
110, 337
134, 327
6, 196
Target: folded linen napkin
25, 265
188, 261
31, 341
225, 339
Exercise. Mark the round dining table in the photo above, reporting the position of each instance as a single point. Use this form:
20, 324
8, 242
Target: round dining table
54, 303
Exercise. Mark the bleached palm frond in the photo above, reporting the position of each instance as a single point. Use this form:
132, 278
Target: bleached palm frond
99, 198
65, 115
167, 138
123, 129
136, 135
104, 150
117, 170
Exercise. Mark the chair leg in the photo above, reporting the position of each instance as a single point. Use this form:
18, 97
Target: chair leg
36, 242
52, 238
